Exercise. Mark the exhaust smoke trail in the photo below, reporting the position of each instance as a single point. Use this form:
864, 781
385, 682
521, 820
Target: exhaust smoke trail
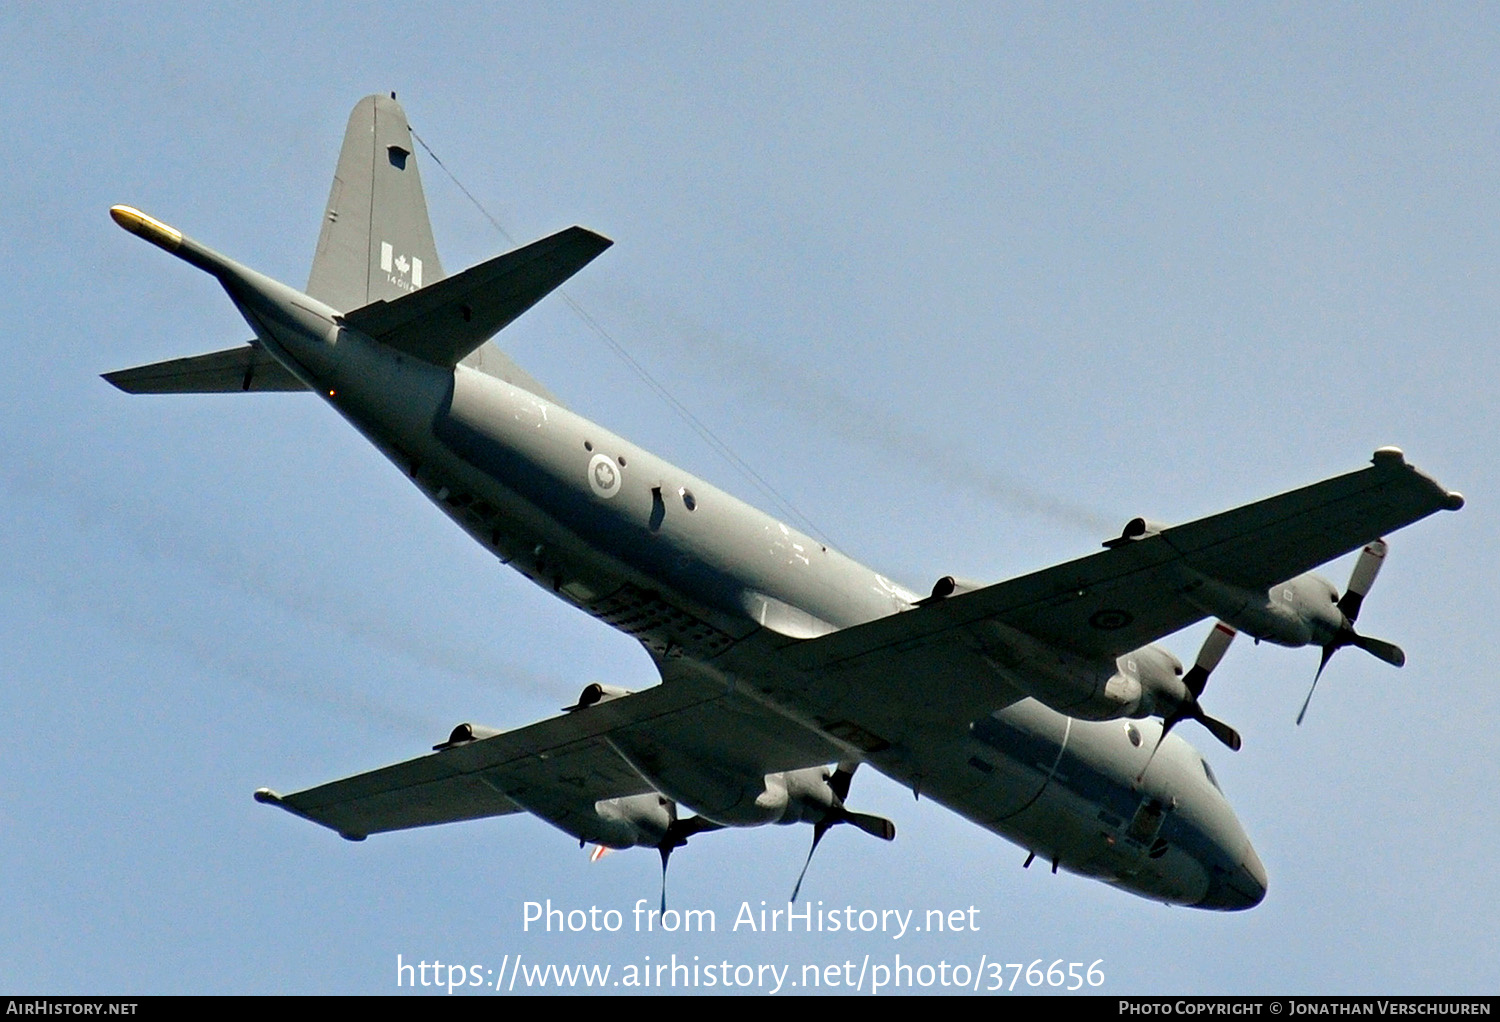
820, 404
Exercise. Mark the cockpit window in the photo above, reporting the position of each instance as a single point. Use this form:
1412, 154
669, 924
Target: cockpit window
1208, 772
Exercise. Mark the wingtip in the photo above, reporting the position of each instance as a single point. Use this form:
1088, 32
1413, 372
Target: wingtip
597, 238
115, 381
1394, 457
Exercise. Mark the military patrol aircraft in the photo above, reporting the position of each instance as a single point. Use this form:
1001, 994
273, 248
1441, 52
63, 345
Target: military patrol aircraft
1030, 706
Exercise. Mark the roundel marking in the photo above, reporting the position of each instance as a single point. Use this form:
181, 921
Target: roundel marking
1109, 619
604, 477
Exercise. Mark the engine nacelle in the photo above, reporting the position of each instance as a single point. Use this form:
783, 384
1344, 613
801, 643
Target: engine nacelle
1301, 612
1076, 685
634, 821
1147, 682
799, 796
1141, 683
792, 796
725, 796
626, 822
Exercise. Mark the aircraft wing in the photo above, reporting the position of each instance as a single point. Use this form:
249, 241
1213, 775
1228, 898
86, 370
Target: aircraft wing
559, 767
1112, 602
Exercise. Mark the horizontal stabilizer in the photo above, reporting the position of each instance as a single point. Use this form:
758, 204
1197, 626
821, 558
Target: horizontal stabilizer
218, 372
443, 322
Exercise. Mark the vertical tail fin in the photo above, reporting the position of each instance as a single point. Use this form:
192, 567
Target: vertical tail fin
376, 241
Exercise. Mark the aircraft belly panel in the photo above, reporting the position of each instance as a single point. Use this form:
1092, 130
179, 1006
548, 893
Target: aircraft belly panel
898, 699
544, 453
511, 524
691, 538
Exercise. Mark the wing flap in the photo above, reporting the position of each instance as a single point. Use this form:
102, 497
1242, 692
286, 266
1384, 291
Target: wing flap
231, 371
443, 322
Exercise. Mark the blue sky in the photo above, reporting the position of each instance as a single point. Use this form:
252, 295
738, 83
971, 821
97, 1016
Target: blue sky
970, 287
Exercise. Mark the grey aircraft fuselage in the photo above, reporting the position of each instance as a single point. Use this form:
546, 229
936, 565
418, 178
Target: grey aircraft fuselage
700, 576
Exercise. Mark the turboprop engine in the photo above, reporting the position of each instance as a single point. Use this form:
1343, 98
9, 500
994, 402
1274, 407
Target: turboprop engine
635, 821
723, 797
1151, 683
1305, 611
814, 795
649, 821
818, 784
1145, 682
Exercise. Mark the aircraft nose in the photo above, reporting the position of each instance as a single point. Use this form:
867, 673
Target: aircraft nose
1237, 887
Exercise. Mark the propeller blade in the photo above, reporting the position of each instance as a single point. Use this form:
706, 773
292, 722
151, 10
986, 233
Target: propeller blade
1327, 655
1362, 578
666, 853
678, 832
1209, 655
839, 782
818, 831
1192, 711
681, 830
875, 826
1195, 681
1366, 570
1222, 731
1379, 648
1167, 724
